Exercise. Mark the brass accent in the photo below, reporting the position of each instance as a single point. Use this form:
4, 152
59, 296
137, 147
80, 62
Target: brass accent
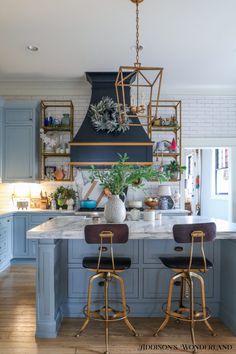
137, 1
183, 313
156, 131
140, 163
44, 104
139, 79
110, 144
107, 313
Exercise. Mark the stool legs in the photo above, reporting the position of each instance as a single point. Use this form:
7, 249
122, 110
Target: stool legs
106, 309
127, 322
106, 289
168, 309
201, 280
91, 279
192, 323
186, 279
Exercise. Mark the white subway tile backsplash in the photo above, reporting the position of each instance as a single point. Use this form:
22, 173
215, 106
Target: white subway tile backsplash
202, 116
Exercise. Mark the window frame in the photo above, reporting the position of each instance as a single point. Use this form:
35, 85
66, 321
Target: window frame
217, 168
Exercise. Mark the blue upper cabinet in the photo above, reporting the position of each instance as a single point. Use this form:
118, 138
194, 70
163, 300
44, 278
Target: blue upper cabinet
20, 142
1, 136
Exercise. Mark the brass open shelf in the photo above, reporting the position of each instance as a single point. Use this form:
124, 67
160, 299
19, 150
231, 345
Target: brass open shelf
66, 106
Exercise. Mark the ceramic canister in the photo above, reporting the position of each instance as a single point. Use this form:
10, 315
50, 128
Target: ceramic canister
149, 215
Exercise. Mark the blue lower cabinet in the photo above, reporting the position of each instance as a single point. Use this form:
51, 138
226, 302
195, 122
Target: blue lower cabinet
5, 242
77, 249
156, 284
78, 280
22, 247
20, 243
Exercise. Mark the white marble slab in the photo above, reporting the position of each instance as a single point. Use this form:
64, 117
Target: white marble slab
72, 227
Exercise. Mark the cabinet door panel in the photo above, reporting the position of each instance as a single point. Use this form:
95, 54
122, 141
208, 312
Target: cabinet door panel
78, 280
18, 153
20, 243
14, 116
77, 249
156, 284
153, 250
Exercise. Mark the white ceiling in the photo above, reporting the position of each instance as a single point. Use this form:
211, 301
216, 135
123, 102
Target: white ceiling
194, 40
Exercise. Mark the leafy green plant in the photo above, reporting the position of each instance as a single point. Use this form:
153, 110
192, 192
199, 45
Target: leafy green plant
172, 169
122, 175
105, 116
62, 194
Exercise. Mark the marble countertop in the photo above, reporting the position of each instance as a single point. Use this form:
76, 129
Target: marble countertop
8, 212
72, 227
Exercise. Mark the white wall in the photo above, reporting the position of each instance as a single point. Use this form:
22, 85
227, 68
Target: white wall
211, 205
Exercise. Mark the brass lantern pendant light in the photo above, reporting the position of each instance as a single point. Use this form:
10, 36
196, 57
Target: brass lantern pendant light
144, 85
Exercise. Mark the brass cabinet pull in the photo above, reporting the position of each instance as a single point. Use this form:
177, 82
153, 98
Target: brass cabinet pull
104, 249
178, 249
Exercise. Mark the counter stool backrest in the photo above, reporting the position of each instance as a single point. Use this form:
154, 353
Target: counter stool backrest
120, 233
183, 233
195, 233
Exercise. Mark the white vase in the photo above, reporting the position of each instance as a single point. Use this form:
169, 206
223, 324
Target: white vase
115, 211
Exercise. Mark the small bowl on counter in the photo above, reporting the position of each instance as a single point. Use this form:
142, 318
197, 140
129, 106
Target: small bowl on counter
152, 202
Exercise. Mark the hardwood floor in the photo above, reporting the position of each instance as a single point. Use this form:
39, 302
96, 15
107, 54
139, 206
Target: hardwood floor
17, 327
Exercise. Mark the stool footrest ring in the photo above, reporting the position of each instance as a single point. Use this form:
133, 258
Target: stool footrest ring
98, 314
182, 313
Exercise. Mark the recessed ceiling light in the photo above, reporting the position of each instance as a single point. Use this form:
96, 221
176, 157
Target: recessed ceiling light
32, 48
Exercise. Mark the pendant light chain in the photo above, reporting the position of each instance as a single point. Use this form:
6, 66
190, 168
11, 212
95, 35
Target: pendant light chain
137, 33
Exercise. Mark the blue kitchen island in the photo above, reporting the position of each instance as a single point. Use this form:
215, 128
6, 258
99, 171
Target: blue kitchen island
61, 283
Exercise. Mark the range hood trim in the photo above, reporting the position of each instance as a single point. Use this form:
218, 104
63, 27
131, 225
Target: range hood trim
140, 163
111, 144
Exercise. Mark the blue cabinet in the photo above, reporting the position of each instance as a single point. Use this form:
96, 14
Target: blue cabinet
22, 247
20, 142
5, 242
20, 243
1, 136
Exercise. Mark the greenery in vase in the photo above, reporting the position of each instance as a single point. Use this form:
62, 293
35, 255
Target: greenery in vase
122, 175
172, 169
105, 116
62, 194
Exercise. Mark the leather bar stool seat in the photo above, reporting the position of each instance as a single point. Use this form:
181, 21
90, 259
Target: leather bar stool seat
183, 263
121, 263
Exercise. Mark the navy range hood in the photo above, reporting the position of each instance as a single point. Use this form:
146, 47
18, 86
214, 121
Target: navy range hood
99, 148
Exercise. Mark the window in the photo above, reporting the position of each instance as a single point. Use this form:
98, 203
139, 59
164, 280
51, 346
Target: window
222, 171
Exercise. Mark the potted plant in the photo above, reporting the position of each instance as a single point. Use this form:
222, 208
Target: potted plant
63, 195
173, 170
117, 179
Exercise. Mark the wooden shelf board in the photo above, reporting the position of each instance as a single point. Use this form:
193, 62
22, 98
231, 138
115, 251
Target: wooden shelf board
55, 155
164, 129
168, 154
57, 129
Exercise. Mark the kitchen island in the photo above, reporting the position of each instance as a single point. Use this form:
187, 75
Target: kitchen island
61, 283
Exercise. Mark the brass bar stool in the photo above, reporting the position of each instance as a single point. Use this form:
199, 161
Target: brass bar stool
108, 269
187, 269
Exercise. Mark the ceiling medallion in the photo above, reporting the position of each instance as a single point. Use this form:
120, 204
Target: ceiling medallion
144, 84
